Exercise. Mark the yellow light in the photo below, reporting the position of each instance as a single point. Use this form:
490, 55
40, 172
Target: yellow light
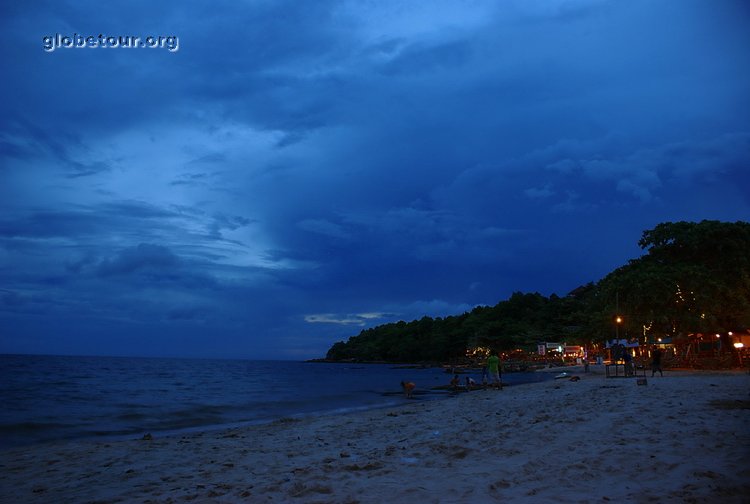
659, 340
618, 320
718, 335
738, 345
731, 333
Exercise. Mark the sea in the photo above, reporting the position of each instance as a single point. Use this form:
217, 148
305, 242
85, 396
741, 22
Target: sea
53, 398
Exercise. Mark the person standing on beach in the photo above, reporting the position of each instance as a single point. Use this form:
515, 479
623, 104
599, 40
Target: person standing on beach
493, 369
656, 362
628, 360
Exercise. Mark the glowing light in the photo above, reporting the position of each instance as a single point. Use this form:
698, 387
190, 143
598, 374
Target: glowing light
738, 345
618, 320
659, 340
479, 352
718, 335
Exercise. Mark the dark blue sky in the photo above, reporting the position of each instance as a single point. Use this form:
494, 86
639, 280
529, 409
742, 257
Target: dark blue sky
298, 171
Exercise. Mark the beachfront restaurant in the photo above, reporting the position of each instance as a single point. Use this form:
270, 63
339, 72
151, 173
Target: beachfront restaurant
561, 351
573, 352
709, 349
720, 349
617, 347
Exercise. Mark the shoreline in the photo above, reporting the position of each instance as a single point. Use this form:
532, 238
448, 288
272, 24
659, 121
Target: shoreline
28, 433
591, 440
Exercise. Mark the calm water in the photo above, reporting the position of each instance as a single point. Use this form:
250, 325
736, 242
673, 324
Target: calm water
46, 398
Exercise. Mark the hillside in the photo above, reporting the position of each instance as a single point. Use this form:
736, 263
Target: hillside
694, 277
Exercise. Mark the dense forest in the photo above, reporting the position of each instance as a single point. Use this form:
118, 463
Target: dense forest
693, 277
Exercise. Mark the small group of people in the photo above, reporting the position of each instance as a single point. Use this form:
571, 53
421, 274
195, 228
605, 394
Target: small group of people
469, 382
492, 372
627, 359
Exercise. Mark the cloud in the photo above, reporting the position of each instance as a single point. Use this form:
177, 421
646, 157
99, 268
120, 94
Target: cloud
187, 313
539, 192
373, 23
359, 319
12, 299
642, 173
142, 257
323, 227
229, 222
282, 177
190, 179
410, 311
424, 60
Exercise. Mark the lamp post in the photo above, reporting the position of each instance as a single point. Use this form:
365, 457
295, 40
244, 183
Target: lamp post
618, 321
618, 318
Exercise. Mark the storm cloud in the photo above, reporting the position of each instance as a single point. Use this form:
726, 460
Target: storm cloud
298, 171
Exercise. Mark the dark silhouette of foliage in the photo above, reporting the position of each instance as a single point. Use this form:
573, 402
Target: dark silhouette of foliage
693, 277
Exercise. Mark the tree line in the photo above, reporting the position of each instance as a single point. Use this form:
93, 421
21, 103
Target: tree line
692, 278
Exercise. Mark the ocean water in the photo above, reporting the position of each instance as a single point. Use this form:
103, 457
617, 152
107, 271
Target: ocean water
50, 398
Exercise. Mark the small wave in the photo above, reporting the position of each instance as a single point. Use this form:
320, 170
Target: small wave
28, 433
131, 417
21, 428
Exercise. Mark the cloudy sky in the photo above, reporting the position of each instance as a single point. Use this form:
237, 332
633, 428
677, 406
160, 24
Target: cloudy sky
297, 171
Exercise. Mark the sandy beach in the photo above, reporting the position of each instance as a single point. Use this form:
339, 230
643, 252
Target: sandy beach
681, 438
